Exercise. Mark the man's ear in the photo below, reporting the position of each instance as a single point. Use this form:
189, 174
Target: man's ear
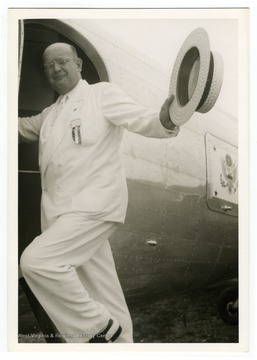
79, 64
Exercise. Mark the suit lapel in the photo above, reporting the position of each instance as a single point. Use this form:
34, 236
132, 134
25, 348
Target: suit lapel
62, 122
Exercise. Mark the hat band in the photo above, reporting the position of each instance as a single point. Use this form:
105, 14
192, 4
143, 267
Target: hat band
208, 83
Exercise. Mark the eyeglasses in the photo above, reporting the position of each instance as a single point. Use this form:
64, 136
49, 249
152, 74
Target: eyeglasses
60, 61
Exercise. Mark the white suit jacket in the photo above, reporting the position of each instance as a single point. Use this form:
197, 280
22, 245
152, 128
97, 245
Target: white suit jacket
87, 177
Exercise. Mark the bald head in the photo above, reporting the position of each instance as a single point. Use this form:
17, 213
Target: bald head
62, 66
61, 46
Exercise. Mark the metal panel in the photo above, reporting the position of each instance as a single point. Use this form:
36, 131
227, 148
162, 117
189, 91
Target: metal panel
222, 176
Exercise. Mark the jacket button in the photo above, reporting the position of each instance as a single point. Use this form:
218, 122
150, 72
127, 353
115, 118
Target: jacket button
59, 166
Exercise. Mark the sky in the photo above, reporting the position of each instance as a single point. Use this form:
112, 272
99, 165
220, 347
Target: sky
161, 40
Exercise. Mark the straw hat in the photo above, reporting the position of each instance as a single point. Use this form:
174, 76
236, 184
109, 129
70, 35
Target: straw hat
196, 78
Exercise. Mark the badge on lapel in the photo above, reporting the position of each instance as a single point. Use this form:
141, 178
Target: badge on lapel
76, 135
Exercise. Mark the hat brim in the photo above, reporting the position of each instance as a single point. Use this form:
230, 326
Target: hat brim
189, 76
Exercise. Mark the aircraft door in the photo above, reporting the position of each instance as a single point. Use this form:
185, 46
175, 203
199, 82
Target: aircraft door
35, 94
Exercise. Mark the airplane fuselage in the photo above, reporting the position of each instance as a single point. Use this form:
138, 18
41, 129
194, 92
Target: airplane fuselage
181, 228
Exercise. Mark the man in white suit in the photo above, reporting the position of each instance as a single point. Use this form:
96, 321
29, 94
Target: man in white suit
70, 267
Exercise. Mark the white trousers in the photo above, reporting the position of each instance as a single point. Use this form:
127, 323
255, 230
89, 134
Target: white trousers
71, 271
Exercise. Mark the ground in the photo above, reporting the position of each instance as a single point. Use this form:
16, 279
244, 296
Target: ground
189, 318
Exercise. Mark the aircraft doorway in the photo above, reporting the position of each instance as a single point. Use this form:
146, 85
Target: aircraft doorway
35, 94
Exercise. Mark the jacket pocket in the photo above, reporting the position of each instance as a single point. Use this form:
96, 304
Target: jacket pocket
85, 129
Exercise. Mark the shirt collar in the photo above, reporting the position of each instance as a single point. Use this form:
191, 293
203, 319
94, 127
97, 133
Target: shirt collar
70, 93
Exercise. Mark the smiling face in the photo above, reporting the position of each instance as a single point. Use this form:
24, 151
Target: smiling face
62, 67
